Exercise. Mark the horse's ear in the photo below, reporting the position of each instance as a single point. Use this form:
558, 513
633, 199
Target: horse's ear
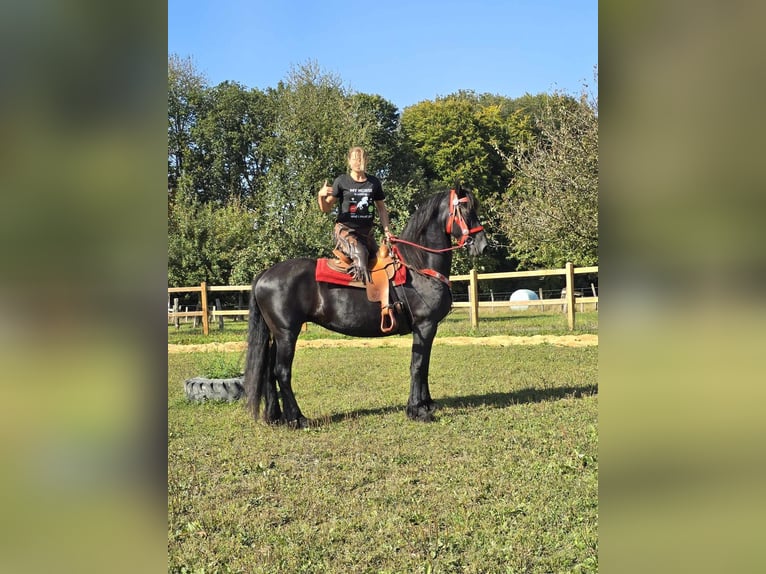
458, 189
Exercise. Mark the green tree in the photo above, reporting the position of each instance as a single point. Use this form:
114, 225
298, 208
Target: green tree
311, 126
462, 137
206, 242
551, 208
186, 88
233, 143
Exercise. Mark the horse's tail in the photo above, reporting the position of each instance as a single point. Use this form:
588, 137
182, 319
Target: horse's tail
258, 360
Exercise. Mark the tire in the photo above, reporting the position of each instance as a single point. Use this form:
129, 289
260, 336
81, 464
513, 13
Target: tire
202, 389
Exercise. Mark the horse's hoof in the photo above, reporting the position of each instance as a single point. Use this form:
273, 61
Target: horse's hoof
299, 423
423, 412
273, 418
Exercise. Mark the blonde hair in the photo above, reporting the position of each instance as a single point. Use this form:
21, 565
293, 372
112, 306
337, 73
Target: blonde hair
357, 149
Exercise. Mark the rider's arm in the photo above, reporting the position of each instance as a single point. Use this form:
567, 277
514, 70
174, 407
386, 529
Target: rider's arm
383, 211
325, 198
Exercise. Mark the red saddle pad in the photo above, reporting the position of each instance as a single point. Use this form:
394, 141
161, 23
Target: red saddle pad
327, 274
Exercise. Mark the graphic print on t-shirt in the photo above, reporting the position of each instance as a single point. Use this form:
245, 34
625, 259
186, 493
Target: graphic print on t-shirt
360, 204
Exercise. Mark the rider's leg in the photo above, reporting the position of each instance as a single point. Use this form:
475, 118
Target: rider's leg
354, 247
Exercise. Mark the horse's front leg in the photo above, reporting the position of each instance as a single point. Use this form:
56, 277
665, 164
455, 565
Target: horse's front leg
420, 406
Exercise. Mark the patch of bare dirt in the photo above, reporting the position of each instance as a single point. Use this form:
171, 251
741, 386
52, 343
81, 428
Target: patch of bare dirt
494, 341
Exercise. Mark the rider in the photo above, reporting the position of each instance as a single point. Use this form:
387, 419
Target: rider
356, 192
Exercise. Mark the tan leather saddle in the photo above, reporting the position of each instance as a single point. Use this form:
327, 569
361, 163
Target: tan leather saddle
382, 269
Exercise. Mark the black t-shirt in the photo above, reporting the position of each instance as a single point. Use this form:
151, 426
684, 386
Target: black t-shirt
356, 200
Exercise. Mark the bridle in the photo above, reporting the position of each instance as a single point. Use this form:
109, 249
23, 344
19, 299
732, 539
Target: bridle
455, 218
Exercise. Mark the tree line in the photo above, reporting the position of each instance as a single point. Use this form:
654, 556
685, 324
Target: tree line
244, 166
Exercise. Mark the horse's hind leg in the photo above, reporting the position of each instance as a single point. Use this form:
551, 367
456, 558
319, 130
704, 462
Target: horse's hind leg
283, 368
271, 412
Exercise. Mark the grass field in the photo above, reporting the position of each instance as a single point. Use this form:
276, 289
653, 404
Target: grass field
505, 480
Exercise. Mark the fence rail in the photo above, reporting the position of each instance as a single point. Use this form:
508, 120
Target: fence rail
567, 302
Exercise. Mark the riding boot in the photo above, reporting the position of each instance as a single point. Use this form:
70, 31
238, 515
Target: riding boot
359, 256
348, 243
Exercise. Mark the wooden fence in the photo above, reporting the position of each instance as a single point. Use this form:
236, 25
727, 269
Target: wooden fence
569, 300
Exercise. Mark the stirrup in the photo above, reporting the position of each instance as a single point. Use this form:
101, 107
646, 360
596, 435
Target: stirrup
387, 313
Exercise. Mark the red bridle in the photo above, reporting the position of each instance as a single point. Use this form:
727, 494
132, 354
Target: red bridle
456, 217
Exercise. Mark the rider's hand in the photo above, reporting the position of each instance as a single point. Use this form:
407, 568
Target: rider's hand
325, 190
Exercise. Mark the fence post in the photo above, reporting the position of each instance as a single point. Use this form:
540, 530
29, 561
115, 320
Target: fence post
203, 298
240, 304
473, 298
177, 320
570, 299
219, 307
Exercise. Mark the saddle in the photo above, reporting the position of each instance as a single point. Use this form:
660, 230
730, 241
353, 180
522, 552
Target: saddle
383, 269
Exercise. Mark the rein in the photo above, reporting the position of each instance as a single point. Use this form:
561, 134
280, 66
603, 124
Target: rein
423, 247
428, 272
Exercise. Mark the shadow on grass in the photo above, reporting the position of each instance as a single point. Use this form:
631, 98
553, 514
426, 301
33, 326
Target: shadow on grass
502, 400
357, 413
493, 400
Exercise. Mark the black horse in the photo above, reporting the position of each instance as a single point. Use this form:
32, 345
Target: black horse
287, 295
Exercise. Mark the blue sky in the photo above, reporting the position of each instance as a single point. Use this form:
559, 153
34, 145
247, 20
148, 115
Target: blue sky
404, 51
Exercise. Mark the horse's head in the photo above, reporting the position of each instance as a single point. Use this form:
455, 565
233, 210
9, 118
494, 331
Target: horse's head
463, 222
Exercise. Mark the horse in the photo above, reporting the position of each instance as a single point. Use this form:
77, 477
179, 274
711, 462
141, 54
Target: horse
287, 295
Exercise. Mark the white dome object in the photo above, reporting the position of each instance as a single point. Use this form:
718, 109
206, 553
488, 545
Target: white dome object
522, 295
